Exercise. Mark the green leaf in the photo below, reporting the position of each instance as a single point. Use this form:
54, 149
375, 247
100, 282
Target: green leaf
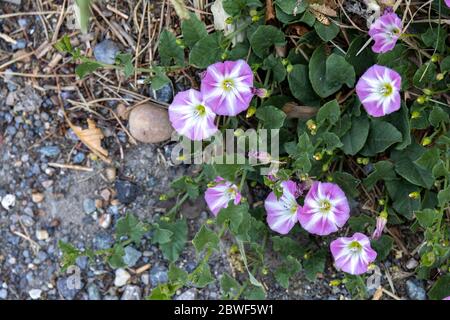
381, 136
360, 223
401, 121
205, 238
406, 167
63, 45
364, 60
171, 250
202, 276
264, 38
347, 182
115, 260
254, 293
161, 236
383, 170
444, 197
234, 7
428, 159
193, 30
86, 68
437, 116
186, 183
69, 254
354, 140
276, 66
288, 6
234, 214
399, 191
328, 74
164, 291
383, 246
441, 288
425, 76
286, 246
435, 37
272, 117
130, 227
126, 60
288, 269
206, 51
229, 287
159, 79
177, 275
427, 217
331, 141
445, 64
169, 51
314, 264
83, 14
330, 112
301, 87
326, 33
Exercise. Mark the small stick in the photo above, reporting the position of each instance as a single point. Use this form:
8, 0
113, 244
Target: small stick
119, 13
70, 166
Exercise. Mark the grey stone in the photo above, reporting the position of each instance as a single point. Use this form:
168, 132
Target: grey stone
103, 241
131, 293
415, 290
89, 206
69, 288
131, 256
126, 191
93, 292
158, 274
190, 294
3, 294
50, 151
106, 51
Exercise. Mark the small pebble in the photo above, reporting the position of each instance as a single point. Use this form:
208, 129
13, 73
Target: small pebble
35, 293
42, 235
106, 51
122, 277
8, 201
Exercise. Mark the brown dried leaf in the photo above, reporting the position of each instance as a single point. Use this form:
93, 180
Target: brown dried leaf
293, 110
92, 138
321, 18
323, 9
378, 294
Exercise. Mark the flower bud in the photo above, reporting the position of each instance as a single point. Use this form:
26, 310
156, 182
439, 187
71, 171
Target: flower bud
415, 115
421, 100
289, 68
229, 20
434, 58
250, 112
253, 12
414, 195
318, 156
255, 18
426, 141
428, 92
439, 76
163, 197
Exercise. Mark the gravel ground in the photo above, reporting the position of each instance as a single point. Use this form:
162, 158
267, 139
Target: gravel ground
42, 204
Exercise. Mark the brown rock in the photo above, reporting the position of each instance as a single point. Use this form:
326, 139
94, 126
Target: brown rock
150, 124
37, 197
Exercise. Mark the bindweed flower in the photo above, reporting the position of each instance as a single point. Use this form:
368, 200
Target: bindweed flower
325, 209
353, 254
227, 87
447, 2
380, 224
220, 194
385, 31
447, 298
191, 116
378, 90
282, 213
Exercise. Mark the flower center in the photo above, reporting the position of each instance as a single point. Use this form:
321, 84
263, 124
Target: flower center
227, 84
232, 192
386, 89
294, 208
325, 206
355, 246
201, 110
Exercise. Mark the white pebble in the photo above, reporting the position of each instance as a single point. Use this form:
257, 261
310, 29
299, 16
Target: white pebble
122, 277
9, 201
35, 293
42, 234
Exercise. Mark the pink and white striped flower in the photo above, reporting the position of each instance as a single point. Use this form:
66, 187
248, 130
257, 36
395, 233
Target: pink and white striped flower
447, 2
353, 254
447, 298
220, 194
282, 213
228, 87
378, 89
385, 31
325, 209
191, 116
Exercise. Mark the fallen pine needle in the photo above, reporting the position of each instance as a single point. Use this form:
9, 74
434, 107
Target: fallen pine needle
70, 166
